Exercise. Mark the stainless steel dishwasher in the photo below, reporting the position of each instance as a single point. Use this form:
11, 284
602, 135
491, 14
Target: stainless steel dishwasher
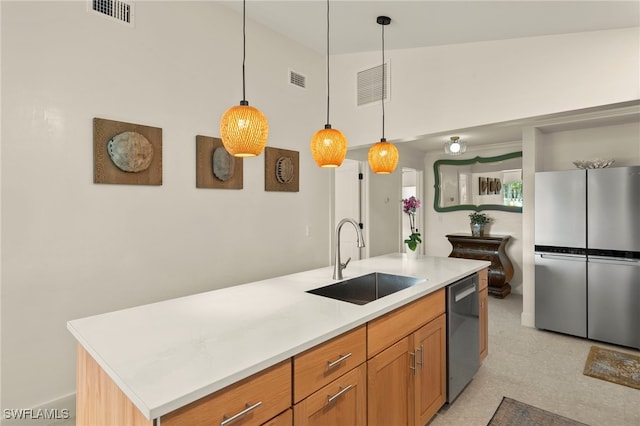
463, 340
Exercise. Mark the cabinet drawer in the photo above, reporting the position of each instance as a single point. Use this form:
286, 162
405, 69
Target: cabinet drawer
385, 331
320, 365
271, 388
483, 278
342, 402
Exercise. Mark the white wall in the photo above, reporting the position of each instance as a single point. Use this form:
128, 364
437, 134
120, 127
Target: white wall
437, 89
72, 248
619, 141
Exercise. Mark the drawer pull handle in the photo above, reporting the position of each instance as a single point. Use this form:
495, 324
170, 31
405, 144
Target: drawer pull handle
331, 364
225, 421
421, 362
342, 391
415, 366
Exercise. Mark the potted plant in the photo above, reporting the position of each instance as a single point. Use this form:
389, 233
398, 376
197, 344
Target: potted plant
478, 221
409, 206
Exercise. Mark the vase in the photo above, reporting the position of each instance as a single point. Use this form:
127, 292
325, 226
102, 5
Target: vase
412, 254
477, 229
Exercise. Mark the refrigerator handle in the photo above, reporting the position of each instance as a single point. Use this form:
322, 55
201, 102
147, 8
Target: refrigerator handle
614, 260
570, 257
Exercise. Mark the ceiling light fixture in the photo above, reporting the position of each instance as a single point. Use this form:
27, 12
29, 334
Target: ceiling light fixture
328, 146
243, 128
455, 146
383, 156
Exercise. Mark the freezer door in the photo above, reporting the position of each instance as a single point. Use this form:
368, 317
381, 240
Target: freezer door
561, 294
614, 208
560, 208
614, 301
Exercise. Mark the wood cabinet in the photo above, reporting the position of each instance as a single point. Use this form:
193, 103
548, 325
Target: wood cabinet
261, 397
322, 364
430, 390
390, 371
341, 402
330, 382
382, 332
99, 401
407, 379
388, 384
491, 248
483, 310
252, 401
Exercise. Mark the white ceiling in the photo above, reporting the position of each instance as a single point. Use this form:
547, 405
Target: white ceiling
420, 23
511, 131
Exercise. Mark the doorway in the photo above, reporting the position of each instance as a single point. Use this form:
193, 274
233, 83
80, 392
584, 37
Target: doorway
411, 186
349, 196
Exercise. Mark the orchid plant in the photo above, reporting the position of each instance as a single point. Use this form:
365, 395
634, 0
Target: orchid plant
409, 206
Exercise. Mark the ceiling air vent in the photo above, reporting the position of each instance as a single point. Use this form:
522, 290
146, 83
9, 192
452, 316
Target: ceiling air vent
297, 79
119, 10
370, 84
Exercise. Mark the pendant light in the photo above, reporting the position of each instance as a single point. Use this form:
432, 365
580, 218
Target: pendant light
243, 128
328, 146
383, 155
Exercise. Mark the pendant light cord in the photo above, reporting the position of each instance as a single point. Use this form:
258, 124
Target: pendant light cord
244, 46
383, 83
328, 87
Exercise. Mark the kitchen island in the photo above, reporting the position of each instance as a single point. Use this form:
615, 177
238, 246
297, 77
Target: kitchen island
166, 355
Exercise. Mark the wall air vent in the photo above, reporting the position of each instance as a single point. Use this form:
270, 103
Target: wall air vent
370, 84
297, 79
118, 10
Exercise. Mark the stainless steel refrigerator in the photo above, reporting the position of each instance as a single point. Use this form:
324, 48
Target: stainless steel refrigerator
587, 254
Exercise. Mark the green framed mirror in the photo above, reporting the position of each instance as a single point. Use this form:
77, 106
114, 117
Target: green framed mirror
480, 183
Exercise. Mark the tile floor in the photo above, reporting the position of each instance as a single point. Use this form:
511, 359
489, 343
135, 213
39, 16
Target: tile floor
540, 368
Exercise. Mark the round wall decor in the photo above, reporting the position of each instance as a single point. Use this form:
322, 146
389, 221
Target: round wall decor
130, 152
223, 164
285, 170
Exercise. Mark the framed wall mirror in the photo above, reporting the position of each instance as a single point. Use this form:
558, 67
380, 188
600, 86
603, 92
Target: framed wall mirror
480, 183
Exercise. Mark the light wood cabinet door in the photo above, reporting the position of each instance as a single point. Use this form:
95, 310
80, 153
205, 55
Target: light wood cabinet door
483, 310
342, 402
430, 391
390, 380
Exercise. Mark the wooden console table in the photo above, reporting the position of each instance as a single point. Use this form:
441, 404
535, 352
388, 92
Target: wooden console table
491, 248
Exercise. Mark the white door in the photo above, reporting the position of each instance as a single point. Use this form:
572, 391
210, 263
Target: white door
348, 204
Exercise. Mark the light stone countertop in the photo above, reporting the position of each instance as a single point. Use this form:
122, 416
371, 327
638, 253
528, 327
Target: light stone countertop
168, 354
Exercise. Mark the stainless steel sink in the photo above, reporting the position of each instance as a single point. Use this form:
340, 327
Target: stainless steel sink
366, 288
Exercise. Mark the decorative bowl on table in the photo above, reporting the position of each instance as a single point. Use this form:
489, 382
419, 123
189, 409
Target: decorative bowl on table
593, 164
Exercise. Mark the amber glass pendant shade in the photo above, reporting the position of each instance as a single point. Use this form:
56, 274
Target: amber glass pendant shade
244, 130
383, 157
328, 147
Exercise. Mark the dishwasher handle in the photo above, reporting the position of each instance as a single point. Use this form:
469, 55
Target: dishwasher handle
465, 293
